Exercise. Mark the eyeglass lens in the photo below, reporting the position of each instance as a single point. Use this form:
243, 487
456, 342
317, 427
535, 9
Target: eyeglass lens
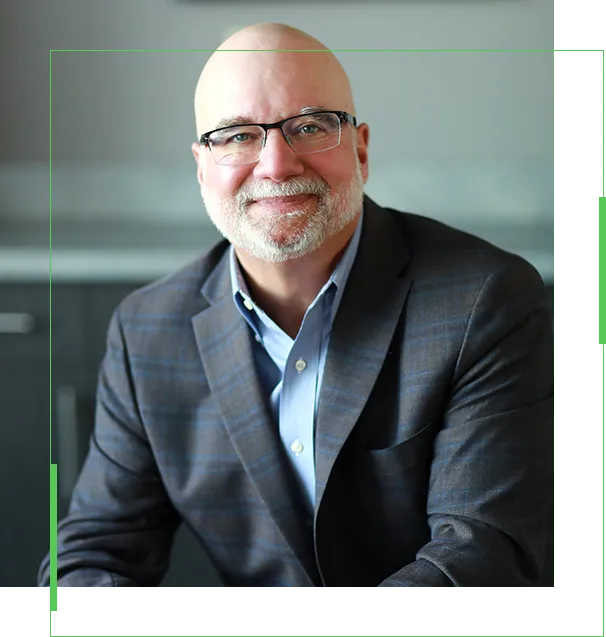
306, 134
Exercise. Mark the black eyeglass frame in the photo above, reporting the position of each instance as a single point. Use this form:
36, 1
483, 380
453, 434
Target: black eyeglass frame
344, 117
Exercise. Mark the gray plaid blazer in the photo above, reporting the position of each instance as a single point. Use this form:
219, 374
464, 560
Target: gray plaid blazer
433, 443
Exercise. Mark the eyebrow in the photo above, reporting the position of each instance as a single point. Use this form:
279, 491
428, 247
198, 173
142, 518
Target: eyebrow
244, 120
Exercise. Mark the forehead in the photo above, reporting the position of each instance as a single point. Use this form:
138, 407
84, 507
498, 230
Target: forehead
265, 86
242, 120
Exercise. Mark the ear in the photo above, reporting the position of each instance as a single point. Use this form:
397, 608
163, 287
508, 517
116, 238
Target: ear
363, 133
197, 149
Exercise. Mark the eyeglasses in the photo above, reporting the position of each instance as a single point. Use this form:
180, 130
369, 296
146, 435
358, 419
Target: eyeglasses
313, 132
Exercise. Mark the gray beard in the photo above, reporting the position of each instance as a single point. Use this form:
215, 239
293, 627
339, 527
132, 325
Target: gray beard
332, 214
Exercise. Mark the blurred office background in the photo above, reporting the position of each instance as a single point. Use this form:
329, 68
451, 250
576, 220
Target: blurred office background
464, 137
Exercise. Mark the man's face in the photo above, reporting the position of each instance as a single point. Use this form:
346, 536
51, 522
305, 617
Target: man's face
324, 190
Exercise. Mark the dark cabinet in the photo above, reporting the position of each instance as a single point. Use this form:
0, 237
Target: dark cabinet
24, 462
25, 428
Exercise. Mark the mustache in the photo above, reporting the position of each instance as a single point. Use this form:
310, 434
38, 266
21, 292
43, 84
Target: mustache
295, 186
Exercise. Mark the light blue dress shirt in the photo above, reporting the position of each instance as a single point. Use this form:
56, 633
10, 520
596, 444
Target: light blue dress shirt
291, 371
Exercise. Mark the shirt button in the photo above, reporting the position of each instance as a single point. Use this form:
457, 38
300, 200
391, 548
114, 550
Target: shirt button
257, 338
300, 365
296, 447
248, 305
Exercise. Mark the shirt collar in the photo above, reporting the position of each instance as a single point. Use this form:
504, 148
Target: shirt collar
341, 272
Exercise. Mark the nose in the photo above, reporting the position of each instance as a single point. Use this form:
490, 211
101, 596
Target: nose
278, 161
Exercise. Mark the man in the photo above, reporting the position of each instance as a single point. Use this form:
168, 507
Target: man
344, 396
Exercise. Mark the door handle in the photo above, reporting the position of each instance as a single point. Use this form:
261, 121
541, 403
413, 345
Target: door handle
67, 439
16, 323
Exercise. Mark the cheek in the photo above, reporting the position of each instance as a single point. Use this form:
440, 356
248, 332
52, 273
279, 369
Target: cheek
336, 169
224, 181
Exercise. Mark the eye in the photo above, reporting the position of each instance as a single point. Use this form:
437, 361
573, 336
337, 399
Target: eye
308, 129
239, 138
235, 137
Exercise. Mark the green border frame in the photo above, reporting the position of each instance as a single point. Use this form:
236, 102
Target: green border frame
580, 199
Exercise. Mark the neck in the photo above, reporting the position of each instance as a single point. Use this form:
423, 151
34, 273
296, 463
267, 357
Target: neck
286, 289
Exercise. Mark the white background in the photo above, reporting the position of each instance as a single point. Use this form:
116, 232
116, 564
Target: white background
582, 24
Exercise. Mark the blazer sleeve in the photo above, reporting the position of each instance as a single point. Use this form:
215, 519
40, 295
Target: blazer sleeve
490, 499
120, 524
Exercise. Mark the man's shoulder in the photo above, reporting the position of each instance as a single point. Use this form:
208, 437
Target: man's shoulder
176, 294
438, 250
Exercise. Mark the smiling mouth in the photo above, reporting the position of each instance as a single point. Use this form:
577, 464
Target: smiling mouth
282, 203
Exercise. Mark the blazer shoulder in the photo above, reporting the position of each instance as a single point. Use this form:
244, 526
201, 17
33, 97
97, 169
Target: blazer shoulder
440, 250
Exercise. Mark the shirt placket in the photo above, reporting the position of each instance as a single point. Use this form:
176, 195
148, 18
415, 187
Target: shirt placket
297, 402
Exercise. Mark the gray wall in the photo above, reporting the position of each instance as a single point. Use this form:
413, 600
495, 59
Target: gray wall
466, 137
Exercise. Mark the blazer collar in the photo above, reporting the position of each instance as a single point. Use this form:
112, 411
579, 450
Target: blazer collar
225, 346
361, 336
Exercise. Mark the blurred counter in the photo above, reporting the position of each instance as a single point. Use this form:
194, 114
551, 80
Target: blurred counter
91, 265
115, 251
100, 249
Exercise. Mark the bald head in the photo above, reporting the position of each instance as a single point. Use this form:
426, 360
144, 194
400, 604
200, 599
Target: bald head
266, 72
271, 35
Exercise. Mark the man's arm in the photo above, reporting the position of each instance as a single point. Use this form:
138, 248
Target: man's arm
490, 501
120, 524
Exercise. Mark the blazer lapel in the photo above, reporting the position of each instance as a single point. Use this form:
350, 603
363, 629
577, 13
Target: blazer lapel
225, 346
362, 332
